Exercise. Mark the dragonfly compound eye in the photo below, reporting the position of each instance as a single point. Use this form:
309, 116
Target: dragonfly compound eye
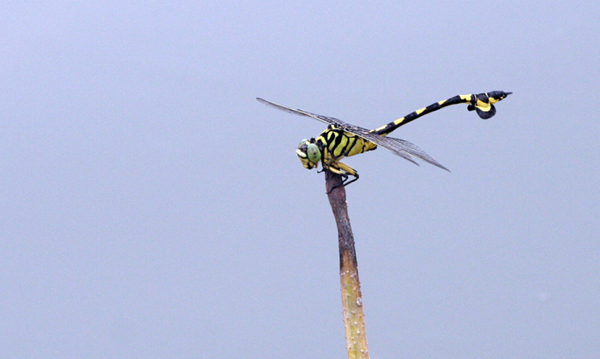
309, 154
302, 153
303, 143
314, 154
302, 150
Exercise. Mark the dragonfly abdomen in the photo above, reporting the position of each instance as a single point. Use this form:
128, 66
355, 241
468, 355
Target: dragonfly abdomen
482, 102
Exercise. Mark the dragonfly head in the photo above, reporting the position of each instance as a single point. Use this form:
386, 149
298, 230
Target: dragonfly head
309, 153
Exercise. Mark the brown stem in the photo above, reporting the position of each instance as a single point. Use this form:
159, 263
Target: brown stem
354, 317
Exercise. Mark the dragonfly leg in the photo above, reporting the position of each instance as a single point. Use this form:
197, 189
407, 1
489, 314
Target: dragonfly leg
343, 170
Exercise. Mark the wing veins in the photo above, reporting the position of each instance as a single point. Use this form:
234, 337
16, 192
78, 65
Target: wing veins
325, 119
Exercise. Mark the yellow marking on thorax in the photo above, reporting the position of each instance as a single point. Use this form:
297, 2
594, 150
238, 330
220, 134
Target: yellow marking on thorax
360, 146
337, 150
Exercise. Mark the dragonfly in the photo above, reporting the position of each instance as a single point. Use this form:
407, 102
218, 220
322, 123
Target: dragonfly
341, 139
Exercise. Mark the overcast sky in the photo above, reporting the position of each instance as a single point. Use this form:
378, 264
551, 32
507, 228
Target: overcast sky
152, 208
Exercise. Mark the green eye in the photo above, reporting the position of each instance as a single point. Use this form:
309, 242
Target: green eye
304, 142
314, 155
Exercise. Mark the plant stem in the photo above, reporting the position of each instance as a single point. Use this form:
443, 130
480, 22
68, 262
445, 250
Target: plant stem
354, 317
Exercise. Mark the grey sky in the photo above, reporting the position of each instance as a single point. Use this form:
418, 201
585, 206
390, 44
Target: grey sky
152, 208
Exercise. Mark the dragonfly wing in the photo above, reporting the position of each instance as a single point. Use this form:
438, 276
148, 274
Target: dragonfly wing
399, 147
394, 144
325, 119
384, 142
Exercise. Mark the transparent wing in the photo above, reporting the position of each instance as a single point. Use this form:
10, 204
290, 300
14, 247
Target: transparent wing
402, 148
396, 145
325, 119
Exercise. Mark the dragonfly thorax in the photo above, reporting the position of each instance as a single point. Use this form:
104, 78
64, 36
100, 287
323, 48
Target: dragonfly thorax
309, 153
